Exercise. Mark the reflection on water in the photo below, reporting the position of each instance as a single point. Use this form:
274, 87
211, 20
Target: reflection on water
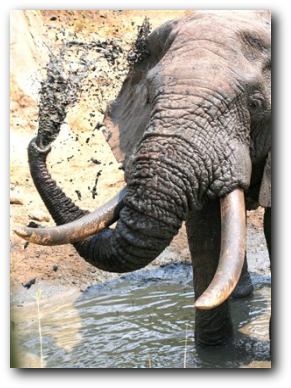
140, 320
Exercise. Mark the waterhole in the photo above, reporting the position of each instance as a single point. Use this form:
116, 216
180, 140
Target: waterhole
142, 320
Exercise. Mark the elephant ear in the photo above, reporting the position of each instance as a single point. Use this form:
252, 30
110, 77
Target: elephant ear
265, 189
127, 116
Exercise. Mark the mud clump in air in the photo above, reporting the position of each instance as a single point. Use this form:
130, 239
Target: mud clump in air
140, 49
60, 90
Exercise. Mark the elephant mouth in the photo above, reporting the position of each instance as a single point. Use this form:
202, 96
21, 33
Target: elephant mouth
233, 240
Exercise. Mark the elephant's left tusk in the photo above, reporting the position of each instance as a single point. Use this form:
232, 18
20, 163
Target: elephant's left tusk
76, 230
232, 253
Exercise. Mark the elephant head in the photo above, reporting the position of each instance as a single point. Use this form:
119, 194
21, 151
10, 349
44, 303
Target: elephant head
192, 124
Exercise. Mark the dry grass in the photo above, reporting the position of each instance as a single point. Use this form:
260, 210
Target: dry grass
37, 297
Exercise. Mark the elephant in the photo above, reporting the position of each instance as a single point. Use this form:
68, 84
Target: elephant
192, 127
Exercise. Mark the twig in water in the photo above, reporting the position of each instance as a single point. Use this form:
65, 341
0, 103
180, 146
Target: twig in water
185, 351
150, 362
37, 297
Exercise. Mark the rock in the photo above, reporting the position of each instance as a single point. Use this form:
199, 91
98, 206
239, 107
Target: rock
29, 283
33, 225
15, 201
38, 215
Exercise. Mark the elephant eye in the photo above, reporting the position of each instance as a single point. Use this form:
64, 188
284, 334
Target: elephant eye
255, 102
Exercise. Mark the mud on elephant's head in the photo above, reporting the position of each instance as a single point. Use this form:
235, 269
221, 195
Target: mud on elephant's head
192, 123
207, 82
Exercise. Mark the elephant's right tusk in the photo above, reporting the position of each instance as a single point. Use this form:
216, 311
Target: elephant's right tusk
232, 254
79, 229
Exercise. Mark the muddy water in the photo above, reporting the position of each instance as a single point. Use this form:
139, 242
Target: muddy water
142, 320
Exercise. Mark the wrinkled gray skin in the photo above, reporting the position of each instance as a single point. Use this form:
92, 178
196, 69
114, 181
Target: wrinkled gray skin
191, 123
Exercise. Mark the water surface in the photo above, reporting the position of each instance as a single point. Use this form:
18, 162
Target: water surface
145, 319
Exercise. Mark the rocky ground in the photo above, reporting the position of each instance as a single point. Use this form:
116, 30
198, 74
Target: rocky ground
81, 161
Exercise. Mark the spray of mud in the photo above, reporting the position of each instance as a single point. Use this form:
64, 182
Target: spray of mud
140, 50
64, 83
67, 76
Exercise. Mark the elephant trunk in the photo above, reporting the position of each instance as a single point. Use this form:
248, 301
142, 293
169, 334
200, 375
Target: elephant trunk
140, 234
160, 194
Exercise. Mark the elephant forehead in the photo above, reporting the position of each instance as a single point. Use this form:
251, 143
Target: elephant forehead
216, 24
232, 51
211, 37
